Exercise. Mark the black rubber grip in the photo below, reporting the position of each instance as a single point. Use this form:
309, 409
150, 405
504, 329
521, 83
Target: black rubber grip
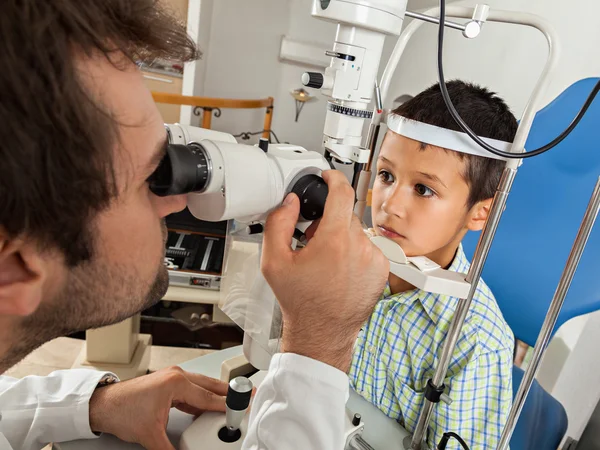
238, 401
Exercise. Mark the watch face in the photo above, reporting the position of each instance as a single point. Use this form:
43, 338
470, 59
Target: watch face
325, 4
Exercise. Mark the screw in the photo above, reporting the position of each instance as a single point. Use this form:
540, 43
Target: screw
446, 399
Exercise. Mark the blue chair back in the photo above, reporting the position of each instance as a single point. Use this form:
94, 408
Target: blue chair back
543, 421
543, 213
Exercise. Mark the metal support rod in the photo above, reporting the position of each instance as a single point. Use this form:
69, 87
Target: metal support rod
358, 168
564, 283
431, 19
462, 309
360, 183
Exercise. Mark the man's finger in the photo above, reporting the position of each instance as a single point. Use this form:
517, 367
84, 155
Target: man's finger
202, 399
211, 384
159, 442
279, 230
339, 206
189, 410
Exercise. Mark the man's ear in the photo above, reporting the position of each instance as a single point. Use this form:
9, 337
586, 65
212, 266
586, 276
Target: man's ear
479, 214
22, 276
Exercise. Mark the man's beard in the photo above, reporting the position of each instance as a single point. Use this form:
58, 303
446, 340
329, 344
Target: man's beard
94, 296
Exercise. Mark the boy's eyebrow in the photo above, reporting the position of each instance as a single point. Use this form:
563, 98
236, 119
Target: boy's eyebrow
384, 159
433, 178
429, 176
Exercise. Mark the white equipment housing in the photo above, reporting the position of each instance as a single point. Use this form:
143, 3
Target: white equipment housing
349, 82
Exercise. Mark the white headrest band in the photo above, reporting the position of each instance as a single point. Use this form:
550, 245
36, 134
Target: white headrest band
442, 137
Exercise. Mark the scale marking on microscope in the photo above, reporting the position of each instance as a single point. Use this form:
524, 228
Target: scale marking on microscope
346, 111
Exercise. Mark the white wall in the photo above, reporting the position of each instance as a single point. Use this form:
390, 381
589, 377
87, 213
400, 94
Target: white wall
242, 58
199, 25
308, 131
507, 58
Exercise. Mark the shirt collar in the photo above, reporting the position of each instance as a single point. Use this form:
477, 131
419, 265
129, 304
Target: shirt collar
438, 307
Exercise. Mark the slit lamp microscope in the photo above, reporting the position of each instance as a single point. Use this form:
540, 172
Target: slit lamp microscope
242, 184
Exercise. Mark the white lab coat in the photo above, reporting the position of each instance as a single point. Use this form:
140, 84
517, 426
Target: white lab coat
299, 405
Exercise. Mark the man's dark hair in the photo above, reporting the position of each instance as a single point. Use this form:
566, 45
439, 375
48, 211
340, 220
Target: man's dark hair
56, 158
484, 112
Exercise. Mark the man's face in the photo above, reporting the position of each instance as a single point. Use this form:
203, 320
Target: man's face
419, 197
126, 273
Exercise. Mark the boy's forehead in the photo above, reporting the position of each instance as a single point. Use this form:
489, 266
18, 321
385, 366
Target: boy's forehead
411, 155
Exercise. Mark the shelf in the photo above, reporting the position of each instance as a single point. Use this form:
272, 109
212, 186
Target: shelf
192, 295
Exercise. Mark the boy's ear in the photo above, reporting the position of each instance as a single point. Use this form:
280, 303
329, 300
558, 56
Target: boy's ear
22, 275
479, 214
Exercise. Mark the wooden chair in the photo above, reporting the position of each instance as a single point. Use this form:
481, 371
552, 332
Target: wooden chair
208, 105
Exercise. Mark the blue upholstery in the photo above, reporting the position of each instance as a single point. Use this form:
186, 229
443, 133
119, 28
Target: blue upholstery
543, 421
544, 210
533, 241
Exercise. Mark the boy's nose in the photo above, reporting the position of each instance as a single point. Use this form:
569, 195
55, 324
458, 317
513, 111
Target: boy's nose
396, 202
395, 205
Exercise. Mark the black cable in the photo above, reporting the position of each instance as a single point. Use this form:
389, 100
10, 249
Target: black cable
446, 437
461, 123
245, 135
275, 136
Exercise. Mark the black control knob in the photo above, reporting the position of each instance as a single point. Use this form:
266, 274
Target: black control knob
312, 192
236, 404
312, 80
263, 144
255, 228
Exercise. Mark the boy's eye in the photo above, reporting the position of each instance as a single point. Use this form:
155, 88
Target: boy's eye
385, 176
423, 190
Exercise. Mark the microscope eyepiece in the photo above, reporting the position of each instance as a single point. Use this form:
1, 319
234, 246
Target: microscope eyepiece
185, 168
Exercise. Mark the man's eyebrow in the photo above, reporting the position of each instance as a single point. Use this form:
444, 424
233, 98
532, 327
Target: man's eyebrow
158, 154
433, 178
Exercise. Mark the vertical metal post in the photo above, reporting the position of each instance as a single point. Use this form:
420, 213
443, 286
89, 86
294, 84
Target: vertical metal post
462, 308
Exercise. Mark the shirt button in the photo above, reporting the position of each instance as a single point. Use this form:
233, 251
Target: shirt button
371, 349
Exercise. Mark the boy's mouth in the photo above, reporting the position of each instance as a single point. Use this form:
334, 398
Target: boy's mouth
389, 232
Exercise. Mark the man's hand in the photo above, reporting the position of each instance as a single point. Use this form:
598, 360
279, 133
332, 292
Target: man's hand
138, 410
329, 288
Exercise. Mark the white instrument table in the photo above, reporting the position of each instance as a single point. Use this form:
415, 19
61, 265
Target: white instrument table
380, 432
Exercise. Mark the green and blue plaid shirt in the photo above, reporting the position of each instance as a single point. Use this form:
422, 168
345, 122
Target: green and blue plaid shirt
398, 350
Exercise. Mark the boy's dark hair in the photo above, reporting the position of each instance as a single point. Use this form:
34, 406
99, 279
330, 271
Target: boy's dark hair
484, 112
56, 158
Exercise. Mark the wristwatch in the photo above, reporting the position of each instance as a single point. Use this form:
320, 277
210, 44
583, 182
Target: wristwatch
107, 379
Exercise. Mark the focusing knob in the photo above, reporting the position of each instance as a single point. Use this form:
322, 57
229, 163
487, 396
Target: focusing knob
312, 192
312, 79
